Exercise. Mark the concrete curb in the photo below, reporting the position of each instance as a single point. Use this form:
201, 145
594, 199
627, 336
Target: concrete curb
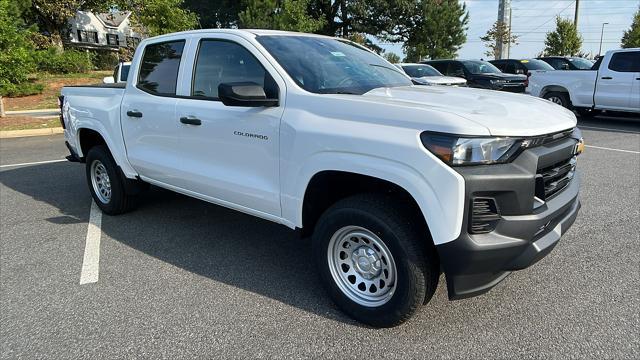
30, 132
28, 112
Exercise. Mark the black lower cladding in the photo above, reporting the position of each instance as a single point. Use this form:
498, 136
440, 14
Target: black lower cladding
528, 227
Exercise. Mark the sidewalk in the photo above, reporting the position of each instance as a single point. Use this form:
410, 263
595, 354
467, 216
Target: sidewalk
39, 114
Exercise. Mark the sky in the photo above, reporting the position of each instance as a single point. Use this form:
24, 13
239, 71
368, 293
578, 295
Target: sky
532, 19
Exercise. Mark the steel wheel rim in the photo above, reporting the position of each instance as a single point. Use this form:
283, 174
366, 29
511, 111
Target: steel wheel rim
362, 266
555, 100
100, 181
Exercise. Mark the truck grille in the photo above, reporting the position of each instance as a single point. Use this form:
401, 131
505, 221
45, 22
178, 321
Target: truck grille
553, 179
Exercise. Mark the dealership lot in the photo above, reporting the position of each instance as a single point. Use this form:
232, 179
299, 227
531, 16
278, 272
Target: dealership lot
182, 278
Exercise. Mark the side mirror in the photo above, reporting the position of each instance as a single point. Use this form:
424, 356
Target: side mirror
247, 94
108, 80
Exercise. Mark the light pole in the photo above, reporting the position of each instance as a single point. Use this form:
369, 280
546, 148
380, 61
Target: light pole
601, 35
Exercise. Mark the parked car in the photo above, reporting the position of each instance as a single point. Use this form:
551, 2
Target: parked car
393, 182
567, 63
423, 74
521, 67
120, 72
480, 74
613, 84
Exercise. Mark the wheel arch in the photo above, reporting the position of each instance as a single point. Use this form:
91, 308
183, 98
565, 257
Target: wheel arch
440, 210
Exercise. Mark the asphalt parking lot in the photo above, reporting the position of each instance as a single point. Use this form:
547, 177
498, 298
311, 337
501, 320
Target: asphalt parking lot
182, 278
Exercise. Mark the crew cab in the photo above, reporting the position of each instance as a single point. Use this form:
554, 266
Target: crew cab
480, 74
612, 84
393, 183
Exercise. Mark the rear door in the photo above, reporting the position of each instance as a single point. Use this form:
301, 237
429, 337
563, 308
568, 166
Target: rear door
616, 83
231, 156
149, 127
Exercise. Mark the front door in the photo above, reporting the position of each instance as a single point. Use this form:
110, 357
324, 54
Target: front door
231, 153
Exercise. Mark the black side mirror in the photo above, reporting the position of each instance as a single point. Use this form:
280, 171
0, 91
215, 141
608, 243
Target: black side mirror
247, 94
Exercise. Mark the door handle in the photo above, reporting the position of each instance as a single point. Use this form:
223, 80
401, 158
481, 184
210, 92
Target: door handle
136, 114
190, 121
637, 78
606, 78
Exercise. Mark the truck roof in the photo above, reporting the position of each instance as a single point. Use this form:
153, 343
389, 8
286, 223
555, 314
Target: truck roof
241, 32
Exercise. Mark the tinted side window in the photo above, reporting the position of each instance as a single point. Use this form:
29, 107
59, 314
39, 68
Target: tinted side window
625, 62
556, 63
440, 66
455, 69
499, 64
224, 62
159, 68
509, 68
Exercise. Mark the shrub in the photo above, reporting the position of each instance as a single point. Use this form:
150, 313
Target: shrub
105, 59
22, 89
16, 61
56, 61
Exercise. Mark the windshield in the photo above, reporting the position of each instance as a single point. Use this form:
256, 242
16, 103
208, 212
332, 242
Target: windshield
331, 66
534, 64
581, 64
480, 67
417, 71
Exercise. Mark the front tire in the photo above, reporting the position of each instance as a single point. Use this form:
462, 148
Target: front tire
374, 260
105, 182
559, 98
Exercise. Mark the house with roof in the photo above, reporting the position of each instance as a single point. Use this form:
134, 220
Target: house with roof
103, 31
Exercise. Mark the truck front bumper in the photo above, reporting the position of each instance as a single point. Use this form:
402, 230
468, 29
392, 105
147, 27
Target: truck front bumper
526, 230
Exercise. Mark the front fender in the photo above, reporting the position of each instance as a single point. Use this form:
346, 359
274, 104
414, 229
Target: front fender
437, 189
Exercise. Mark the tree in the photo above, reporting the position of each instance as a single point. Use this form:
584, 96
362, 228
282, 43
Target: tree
52, 16
436, 30
290, 15
498, 32
16, 51
631, 37
157, 17
216, 13
392, 57
564, 41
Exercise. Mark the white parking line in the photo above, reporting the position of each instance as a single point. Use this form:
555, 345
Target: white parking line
608, 129
91, 261
33, 163
610, 149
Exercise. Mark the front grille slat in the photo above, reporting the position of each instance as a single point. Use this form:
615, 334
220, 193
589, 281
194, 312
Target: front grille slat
556, 177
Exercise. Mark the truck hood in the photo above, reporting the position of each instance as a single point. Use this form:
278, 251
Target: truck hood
502, 113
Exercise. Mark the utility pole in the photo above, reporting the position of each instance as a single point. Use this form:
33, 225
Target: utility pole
504, 17
509, 37
601, 35
575, 16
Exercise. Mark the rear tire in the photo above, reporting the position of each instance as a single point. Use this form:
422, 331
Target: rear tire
375, 260
106, 184
559, 98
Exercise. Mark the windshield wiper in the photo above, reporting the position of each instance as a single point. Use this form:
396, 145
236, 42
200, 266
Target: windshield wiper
386, 67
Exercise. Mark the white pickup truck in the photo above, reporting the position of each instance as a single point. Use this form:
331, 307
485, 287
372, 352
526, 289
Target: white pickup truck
394, 182
612, 84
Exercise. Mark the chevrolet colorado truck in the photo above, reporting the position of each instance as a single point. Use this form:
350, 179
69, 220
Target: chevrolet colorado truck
612, 84
392, 183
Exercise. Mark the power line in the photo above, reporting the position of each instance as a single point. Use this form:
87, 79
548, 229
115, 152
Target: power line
546, 22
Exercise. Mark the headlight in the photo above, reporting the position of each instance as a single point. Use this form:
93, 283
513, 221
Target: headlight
459, 150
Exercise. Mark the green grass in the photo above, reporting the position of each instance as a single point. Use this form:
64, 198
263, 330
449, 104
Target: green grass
43, 124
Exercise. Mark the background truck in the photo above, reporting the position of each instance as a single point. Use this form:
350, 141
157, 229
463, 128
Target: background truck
612, 84
393, 182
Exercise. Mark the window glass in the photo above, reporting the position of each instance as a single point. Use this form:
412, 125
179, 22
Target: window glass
417, 71
509, 68
112, 39
480, 67
625, 61
224, 62
580, 63
555, 63
440, 66
159, 68
535, 64
331, 66
455, 69
124, 73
